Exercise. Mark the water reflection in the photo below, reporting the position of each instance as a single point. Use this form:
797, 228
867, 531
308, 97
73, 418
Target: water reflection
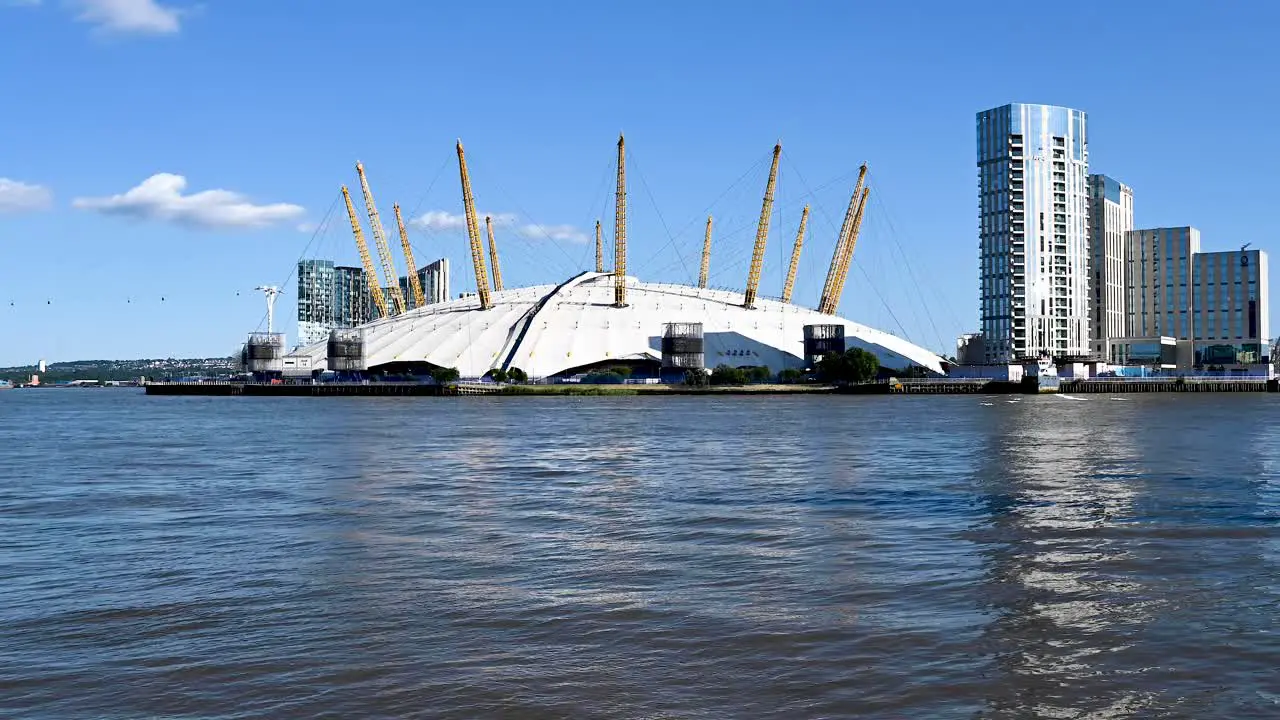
635, 557
1087, 559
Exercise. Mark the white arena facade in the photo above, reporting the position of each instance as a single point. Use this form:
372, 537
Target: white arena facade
561, 330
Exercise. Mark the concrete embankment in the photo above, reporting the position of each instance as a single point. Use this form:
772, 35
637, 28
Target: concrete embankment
417, 389
1104, 385
937, 386
298, 390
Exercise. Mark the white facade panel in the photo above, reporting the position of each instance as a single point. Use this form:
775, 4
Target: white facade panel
547, 330
1110, 221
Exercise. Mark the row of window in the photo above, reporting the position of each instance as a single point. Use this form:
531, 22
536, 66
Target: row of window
1212, 325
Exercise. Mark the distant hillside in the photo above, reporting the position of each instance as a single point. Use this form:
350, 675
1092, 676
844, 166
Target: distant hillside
122, 369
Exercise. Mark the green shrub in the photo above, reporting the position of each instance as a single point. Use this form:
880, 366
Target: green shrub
790, 376
695, 378
445, 376
725, 375
855, 365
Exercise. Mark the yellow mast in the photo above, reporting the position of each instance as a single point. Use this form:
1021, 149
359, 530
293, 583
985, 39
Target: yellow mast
371, 275
493, 254
762, 234
620, 230
415, 285
473, 232
706, 256
599, 249
390, 275
842, 240
795, 257
843, 273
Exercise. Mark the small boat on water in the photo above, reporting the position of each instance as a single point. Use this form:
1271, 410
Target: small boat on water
1047, 372
6, 385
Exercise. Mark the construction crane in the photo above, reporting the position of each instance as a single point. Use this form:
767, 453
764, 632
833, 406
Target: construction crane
493, 254
620, 229
843, 273
706, 257
371, 275
599, 249
389, 274
762, 234
842, 239
795, 257
473, 232
415, 284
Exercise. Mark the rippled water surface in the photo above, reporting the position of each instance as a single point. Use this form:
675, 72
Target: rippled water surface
934, 557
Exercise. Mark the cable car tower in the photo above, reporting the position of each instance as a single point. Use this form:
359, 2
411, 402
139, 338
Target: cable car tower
271, 292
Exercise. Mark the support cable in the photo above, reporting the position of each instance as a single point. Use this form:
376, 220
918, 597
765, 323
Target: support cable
707, 210
671, 240
323, 227
870, 284
893, 234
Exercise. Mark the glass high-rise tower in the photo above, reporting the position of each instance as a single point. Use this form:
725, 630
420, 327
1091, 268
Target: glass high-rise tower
352, 298
330, 296
434, 279
1033, 230
315, 300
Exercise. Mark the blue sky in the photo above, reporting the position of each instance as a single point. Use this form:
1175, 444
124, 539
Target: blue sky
273, 103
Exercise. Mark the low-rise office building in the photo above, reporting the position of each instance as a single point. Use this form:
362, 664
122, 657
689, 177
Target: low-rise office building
1230, 304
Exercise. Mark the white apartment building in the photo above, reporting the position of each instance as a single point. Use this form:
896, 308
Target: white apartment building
1110, 220
1033, 210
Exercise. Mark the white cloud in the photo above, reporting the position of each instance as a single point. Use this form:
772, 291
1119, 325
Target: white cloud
160, 197
146, 17
439, 220
17, 196
308, 227
445, 221
565, 233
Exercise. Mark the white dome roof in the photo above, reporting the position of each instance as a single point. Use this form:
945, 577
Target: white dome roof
547, 329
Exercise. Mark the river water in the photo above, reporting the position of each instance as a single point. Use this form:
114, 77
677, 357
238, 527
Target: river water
806, 557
